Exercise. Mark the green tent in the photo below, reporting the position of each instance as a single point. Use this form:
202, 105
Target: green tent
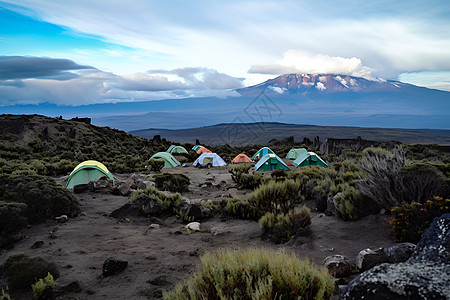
87, 171
196, 147
176, 150
270, 162
261, 152
309, 159
169, 160
295, 152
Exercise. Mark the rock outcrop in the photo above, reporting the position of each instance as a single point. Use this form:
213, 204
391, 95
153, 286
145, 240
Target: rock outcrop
424, 276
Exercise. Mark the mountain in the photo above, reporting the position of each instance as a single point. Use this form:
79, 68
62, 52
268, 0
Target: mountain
326, 100
240, 134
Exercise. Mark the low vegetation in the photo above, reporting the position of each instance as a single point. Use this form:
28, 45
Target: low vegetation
171, 202
241, 210
41, 285
282, 227
255, 274
172, 182
21, 270
411, 220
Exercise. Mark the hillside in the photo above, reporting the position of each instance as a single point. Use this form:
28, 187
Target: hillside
238, 134
55, 145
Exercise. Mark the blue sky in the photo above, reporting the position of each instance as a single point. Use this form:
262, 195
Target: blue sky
79, 52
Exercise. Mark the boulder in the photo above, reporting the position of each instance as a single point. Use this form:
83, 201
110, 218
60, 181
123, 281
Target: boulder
424, 276
194, 212
62, 219
339, 266
193, 226
399, 252
368, 258
150, 206
123, 188
125, 210
113, 266
101, 184
80, 188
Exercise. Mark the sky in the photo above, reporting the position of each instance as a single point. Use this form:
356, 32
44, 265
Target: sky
76, 52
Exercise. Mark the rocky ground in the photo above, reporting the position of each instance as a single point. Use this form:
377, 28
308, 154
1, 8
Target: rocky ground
160, 257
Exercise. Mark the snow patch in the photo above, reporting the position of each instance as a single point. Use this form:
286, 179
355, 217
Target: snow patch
323, 78
396, 85
353, 82
308, 83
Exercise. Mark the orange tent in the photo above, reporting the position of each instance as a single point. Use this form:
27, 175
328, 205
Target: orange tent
241, 158
203, 150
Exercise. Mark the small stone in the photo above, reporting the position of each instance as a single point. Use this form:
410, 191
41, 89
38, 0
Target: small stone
154, 226
339, 266
113, 266
368, 258
193, 226
62, 219
400, 252
38, 244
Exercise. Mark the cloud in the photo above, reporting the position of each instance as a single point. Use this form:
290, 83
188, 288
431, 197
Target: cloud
46, 82
22, 67
295, 61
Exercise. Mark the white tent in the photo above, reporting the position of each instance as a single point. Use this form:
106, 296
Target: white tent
212, 158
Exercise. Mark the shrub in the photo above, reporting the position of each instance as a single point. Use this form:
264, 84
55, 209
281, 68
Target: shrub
241, 210
43, 196
282, 227
13, 216
279, 174
411, 220
5, 295
255, 274
172, 182
384, 182
172, 202
349, 203
210, 209
240, 175
21, 271
277, 196
155, 165
42, 284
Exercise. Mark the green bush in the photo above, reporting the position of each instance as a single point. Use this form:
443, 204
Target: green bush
42, 284
349, 203
172, 182
277, 196
411, 220
279, 174
155, 165
241, 210
172, 202
21, 271
239, 174
282, 227
43, 196
5, 294
13, 216
255, 274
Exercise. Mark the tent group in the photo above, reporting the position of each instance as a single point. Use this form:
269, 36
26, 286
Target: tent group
87, 171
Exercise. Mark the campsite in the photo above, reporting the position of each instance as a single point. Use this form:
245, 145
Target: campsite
163, 207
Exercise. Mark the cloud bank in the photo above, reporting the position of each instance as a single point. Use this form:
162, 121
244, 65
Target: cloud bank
296, 61
33, 80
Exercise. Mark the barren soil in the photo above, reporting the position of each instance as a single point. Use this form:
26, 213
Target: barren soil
159, 258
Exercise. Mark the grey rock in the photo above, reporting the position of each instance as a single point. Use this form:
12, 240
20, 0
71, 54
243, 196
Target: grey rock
339, 266
331, 209
80, 188
101, 184
113, 266
399, 252
150, 206
368, 258
194, 211
424, 276
123, 189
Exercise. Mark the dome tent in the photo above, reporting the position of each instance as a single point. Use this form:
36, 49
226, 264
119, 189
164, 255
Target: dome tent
241, 158
87, 171
176, 150
295, 152
203, 150
261, 152
212, 158
270, 162
169, 160
309, 159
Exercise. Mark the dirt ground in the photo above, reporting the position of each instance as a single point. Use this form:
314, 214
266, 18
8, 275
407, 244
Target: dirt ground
159, 258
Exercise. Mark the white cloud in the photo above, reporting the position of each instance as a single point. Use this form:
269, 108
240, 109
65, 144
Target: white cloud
279, 90
320, 86
295, 61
